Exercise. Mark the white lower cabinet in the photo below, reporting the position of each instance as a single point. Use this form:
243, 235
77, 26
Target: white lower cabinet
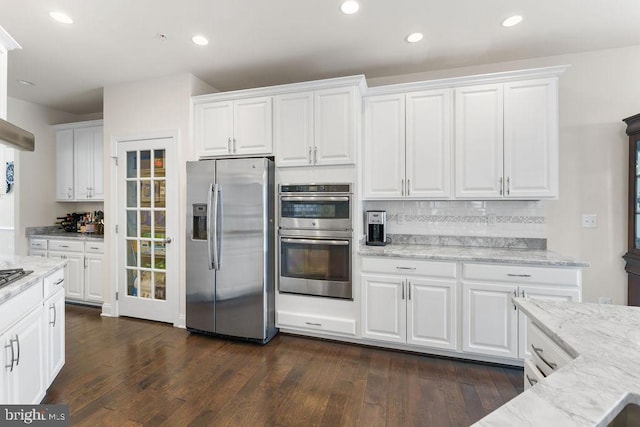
492, 325
489, 320
32, 341
407, 301
84, 271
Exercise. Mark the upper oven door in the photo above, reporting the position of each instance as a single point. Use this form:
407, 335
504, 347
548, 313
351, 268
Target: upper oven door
315, 212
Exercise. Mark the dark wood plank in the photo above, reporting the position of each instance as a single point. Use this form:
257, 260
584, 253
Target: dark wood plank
132, 372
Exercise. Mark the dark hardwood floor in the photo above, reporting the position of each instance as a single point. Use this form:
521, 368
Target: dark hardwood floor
128, 372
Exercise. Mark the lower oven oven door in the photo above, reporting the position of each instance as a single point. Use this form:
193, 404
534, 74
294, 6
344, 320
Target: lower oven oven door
315, 266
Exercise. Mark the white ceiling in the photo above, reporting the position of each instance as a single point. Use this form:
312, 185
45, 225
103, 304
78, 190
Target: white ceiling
264, 42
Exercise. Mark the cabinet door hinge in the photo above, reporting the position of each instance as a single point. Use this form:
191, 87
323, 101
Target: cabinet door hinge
115, 159
116, 295
116, 228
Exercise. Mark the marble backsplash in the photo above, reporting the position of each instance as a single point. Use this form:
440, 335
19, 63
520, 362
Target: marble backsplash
500, 218
469, 241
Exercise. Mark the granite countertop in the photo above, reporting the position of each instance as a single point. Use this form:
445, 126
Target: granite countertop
540, 257
602, 379
41, 267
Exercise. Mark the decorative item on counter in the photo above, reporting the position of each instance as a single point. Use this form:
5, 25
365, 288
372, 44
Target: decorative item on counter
10, 177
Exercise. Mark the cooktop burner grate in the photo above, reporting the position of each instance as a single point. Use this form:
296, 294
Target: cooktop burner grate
11, 275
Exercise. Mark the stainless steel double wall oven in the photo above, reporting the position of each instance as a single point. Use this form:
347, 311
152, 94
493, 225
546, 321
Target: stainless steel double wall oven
316, 230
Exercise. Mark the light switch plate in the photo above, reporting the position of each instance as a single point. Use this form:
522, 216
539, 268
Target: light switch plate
589, 220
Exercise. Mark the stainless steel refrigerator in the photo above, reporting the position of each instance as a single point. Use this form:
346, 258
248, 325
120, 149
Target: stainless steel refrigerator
230, 248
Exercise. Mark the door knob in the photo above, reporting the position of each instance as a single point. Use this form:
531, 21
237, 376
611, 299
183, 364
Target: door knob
167, 240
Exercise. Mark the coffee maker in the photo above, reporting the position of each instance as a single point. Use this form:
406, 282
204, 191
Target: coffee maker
376, 223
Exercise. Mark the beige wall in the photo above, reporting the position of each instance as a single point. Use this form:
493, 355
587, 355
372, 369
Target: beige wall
135, 109
599, 89
35, 172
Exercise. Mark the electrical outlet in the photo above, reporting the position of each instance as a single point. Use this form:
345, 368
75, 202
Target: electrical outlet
589, 220
604, 300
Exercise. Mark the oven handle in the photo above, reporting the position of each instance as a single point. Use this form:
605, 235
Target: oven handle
316, 242
314, 198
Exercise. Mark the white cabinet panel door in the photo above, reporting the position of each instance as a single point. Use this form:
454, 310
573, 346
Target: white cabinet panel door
335, 126
384, 308
97, 166
252, 126
293, 129
531, 138
479, 141
54, 323
432, 314
543, 293
73, 273
384, 147
26, 382
64, 165
213, 131
428, 142
93, 277
490, 321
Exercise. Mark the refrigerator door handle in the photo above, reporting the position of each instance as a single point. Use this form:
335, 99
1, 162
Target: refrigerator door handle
209, 237
215, 238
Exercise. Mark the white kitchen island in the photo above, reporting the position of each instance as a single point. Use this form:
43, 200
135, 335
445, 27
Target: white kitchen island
31, 329
601, 380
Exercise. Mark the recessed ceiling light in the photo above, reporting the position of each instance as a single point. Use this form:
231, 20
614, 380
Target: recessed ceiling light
414, 37
61, 17
512, 20
25, 82
200, 40
349, 7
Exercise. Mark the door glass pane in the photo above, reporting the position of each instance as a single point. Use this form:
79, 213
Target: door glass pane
132, 164
146, 247
145, 194
132, 195
132, 282
159, 193
160, 286
145, 163
145, 284
158, 163
132, 253
132, 224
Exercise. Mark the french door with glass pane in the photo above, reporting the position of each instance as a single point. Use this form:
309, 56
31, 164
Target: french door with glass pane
147, 211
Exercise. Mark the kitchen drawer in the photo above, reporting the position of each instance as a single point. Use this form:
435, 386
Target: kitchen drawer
521, 274
66, 245
408, 267
532, 375
94, 247
546, 355
310, 322
18, 306
38, 244
53, 282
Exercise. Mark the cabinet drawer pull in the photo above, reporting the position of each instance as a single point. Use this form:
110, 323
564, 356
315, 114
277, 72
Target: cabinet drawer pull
64, 246
532, 381
94, 248
403, 290
55, 315
402, 187
313, 324
518, 275
18, 343
405, 268
500, 185
10, 345
59, 282
539, 352
310, 158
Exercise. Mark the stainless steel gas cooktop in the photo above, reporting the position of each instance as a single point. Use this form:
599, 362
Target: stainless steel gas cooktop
11, 275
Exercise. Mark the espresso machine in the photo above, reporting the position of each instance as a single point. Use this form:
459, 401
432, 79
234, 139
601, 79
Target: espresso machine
376, 222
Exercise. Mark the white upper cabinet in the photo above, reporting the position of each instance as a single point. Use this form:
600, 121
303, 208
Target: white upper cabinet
507, 140
293, 129
317, 127
407, 145
79, 161
531, 138
64, 165
479, 141
88, 181
234, 127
